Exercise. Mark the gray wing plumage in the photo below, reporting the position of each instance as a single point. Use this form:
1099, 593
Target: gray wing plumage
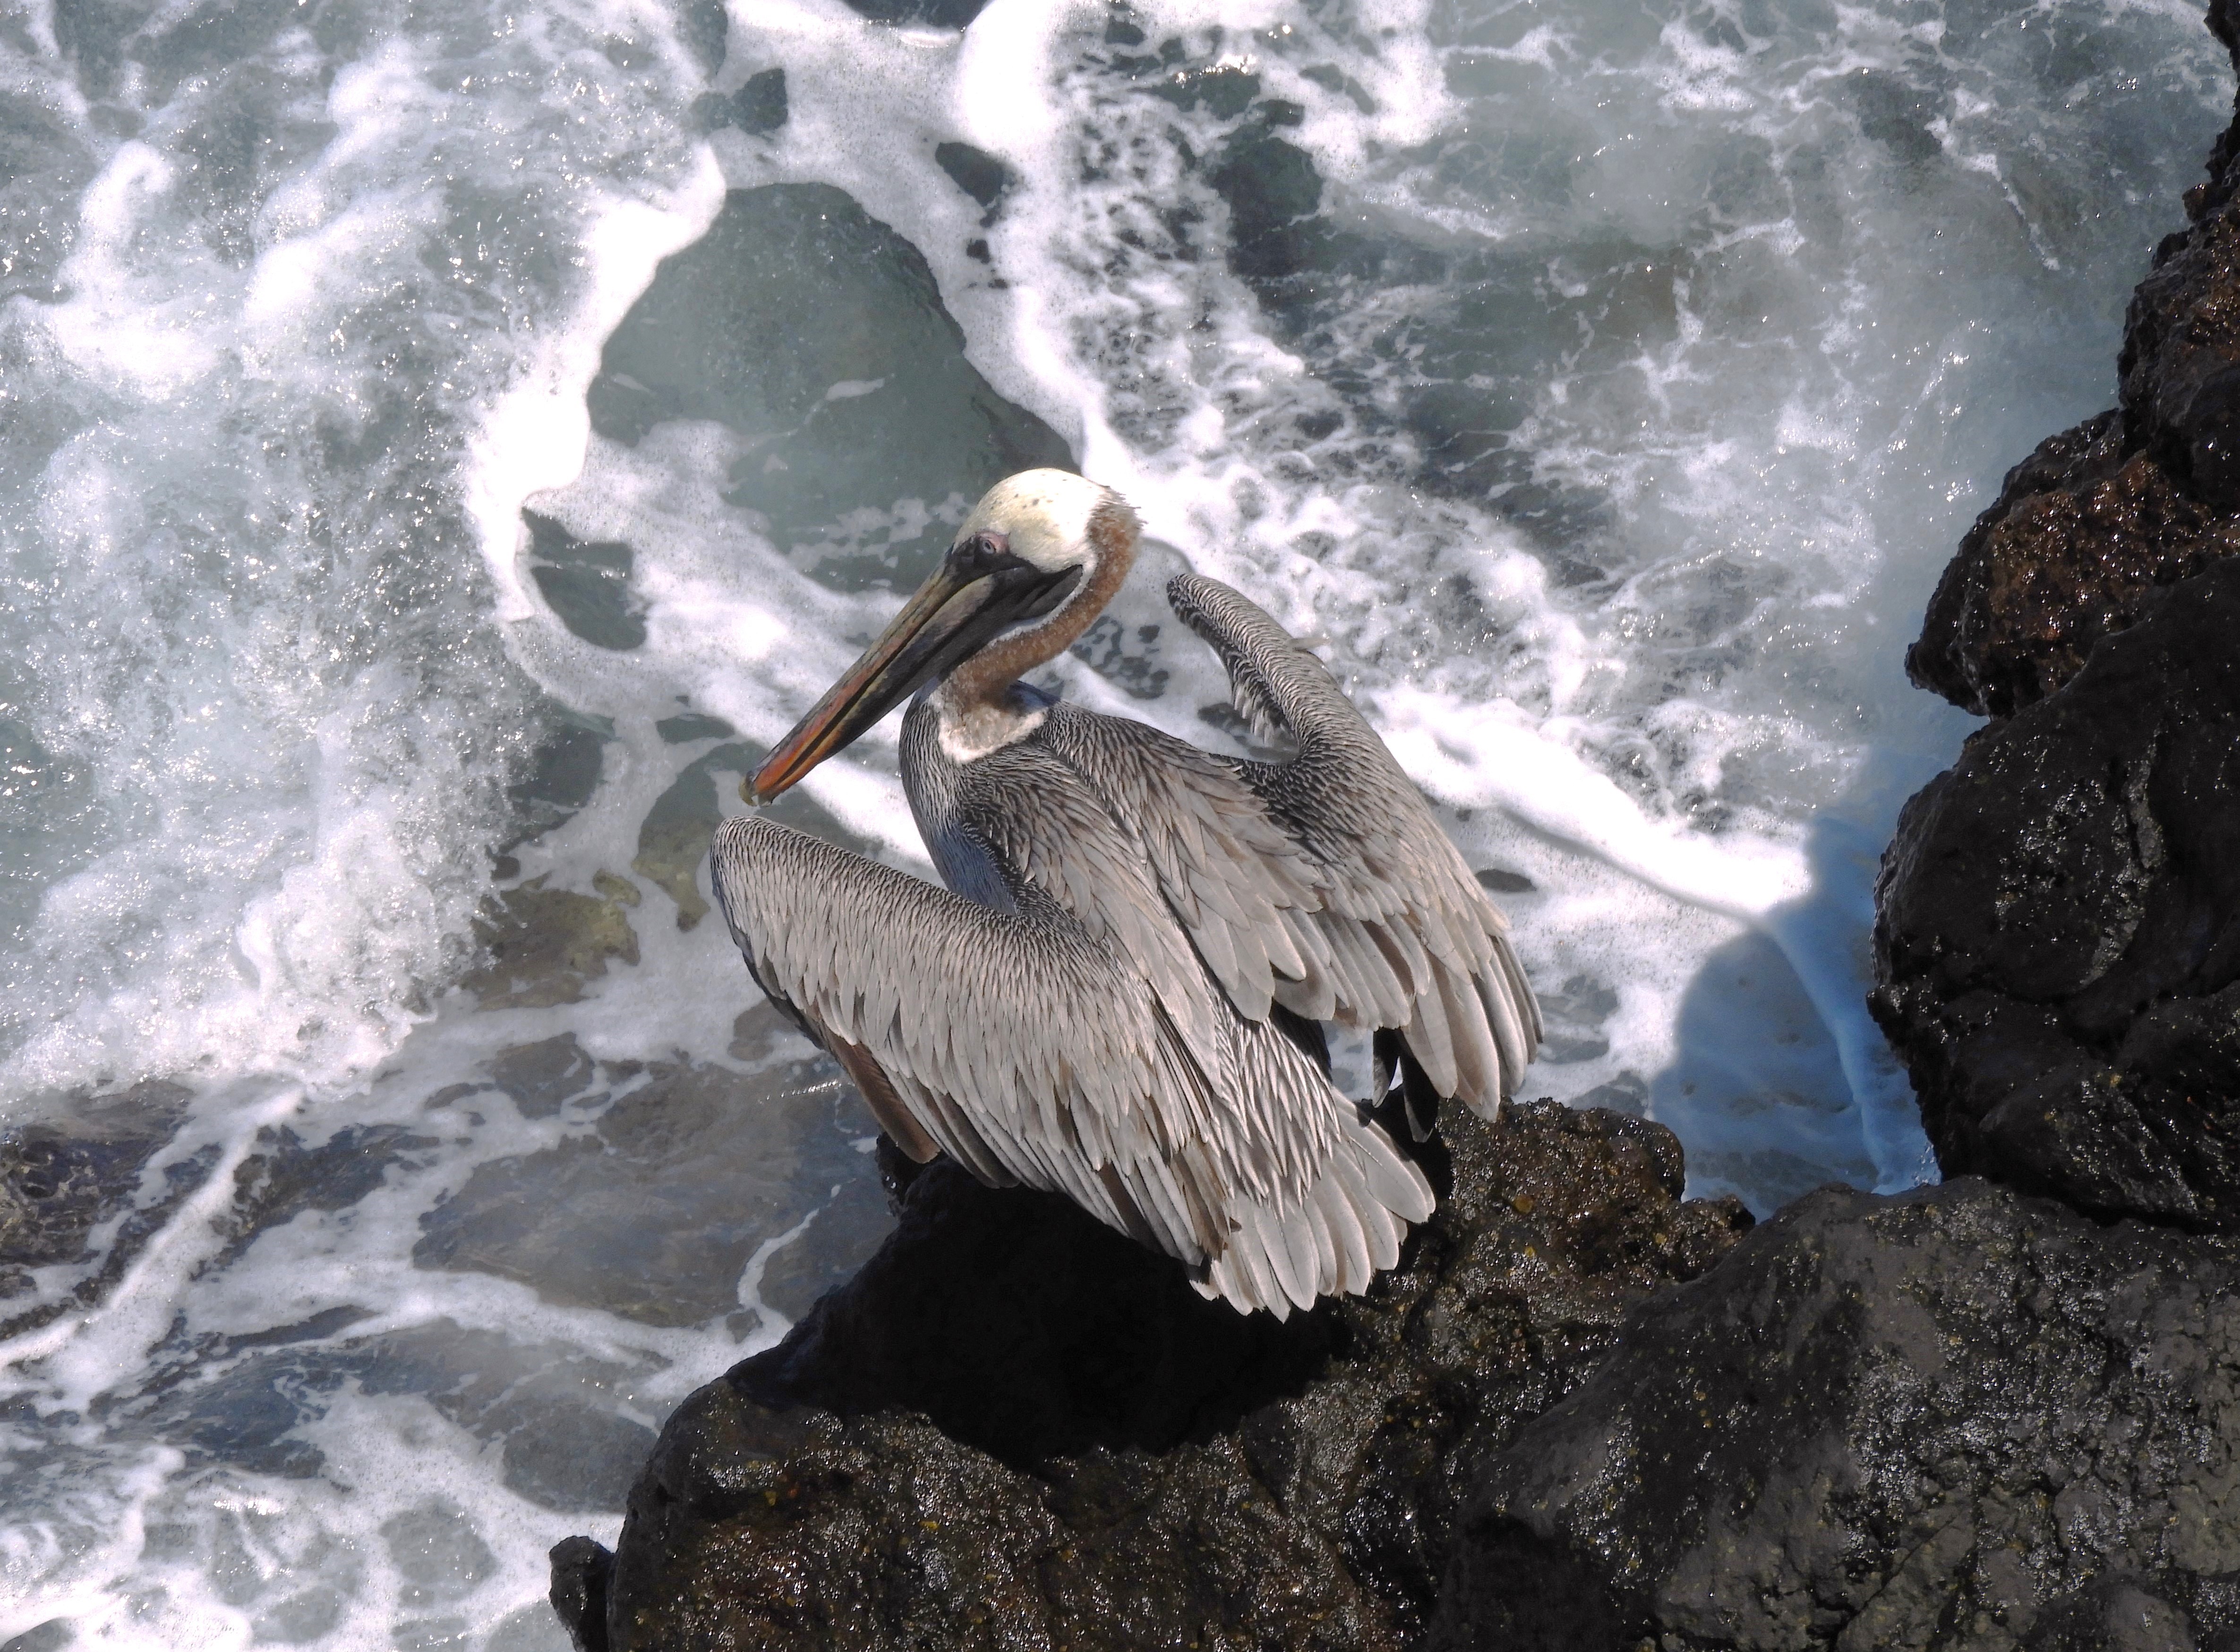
1070, 1044
1364, 911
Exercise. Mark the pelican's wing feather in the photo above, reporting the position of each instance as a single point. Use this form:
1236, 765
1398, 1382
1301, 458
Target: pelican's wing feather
1032, 1047
1399, 933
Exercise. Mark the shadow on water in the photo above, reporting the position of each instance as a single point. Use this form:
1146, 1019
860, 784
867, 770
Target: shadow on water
1781, 1081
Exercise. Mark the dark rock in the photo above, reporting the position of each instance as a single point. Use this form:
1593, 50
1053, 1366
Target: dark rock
935, 14
1897, 114
580, 1569
283, 1178
841, 1236
65, 1175
2114, 1615
1124, 657
1958, 1417
2057, 950
758, 108
562, 773
705, 27
980, 175
1015, 1427
2081, 539
673, 839
1222, 90
538, 1077
2088, 527
554, 1416
1274, 195
49, 1637
2180, 368
688, 726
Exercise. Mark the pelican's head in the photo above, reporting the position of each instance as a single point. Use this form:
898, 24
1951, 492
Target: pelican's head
1033, 565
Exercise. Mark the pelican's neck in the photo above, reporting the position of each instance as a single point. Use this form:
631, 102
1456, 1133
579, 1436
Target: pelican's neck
979, 713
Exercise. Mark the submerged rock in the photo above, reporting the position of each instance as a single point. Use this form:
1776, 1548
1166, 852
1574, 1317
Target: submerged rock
558, 1421
673, 839
540, 945
62, 1177
1015, 1426
811, 329
1958, 1417
2058, 945
587, 584
656, 1210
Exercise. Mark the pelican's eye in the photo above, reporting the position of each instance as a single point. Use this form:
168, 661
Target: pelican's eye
982, 553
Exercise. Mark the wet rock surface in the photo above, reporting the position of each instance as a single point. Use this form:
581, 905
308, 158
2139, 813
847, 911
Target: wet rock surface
2005, 1421
540, 945
62, 1179
1014, 1425
552, 1415
2059, 948
2082, 538
1958, 1417
58, 1181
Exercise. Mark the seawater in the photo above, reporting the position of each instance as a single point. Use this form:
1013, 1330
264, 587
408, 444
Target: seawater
440, 449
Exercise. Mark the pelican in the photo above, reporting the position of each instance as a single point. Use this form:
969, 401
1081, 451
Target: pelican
1118, 995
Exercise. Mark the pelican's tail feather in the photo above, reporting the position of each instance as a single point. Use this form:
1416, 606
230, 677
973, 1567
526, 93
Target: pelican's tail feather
1330, 1243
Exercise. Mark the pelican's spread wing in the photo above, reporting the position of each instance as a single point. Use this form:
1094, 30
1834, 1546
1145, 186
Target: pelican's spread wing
1399, 934
1033, 1047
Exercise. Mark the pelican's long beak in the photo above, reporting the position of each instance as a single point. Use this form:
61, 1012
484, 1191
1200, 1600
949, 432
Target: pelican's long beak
952, 617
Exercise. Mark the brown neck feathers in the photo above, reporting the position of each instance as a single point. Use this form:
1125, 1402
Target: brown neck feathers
982, 679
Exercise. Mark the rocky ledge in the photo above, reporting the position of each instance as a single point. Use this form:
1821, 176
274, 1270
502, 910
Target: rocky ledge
2000, 1413
1015, 1427
1959, 1417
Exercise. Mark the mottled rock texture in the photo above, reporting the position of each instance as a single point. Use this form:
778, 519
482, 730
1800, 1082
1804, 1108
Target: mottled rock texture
2058, 947
2083, 536
1015, 1428
1958, 1417
2089, 527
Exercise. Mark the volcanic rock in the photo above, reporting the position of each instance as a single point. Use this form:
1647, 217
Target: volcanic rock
1015, 1427
2081, 539
1956, 1417
2058, 939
